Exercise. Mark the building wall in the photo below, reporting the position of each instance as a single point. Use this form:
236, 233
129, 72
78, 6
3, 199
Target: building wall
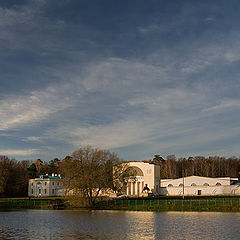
195, 185
39, 187
151, 178
201, 190
199, 181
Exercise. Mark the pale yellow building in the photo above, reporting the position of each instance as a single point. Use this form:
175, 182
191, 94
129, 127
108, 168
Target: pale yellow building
146, 179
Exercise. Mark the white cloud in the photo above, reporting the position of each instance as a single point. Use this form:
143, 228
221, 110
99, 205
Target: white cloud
33, 138
115, 74
11, 152
225, 105
38, 105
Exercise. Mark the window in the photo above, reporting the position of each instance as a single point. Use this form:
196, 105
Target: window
39, 190
193, 184
53, 183
205, 184
58, 183
218, 184
32, 191
45, 190
32, 183
149, 171
52, 191
170, 185
180, 185
45, 183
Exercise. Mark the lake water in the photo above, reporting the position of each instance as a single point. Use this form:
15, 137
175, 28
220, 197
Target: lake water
67, 224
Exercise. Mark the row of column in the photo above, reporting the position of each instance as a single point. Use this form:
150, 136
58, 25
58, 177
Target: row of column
135, 188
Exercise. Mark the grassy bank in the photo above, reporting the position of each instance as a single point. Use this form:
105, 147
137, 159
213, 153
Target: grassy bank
223, 204
33, 203
228, 204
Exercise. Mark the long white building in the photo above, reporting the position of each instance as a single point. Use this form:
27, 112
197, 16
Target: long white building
196, 186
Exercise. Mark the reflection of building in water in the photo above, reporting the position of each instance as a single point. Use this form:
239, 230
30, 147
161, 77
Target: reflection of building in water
45, 186
144, 179
196, 185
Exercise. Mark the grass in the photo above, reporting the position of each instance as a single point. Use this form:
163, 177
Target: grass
171, 204
32, 203
220, 203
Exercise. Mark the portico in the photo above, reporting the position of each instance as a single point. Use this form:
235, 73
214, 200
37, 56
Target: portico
142, 175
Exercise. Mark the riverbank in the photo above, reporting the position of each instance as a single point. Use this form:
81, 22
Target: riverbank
220, 204
32, 203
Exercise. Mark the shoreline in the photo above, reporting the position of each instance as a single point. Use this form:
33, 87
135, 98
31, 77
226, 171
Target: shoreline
216, 204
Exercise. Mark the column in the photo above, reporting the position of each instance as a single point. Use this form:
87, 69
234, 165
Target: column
140, 188
136, 188
127, 188
131, 188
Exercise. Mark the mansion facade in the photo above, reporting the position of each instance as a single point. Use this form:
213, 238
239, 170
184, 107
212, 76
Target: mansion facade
46, 186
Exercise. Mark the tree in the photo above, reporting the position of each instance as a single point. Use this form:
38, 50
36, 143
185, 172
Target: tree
88, 171
53, 166
32, 171
13, 177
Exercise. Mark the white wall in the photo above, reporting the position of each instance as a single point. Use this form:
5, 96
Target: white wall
199, 181
205, 191
53, 187
151, 175
171, 187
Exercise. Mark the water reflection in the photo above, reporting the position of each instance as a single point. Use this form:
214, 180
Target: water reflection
104, 225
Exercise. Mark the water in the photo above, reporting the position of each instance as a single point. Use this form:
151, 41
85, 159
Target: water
66, 224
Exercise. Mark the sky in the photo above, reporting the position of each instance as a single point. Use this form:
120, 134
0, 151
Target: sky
137, 77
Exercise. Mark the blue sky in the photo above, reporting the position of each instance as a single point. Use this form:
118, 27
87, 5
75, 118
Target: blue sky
138, 77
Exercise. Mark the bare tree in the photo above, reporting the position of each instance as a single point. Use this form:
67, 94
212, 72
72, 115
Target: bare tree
88, 171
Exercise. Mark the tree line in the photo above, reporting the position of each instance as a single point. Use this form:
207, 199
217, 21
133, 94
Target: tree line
213, 166
91, 170
14, 175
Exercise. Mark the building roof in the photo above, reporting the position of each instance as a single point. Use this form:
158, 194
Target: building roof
236, 182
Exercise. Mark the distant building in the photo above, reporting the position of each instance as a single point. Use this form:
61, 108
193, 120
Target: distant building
200, 186
46, 186
146, 179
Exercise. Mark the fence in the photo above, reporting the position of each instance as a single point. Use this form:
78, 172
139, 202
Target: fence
217, 204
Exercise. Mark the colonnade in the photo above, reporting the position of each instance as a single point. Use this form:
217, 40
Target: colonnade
135, 187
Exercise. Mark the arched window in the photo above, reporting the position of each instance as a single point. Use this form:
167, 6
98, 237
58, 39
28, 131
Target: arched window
218, 184
180, 185
205, 184
193, 184
170, 185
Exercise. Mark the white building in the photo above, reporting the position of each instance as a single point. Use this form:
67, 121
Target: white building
196, 185
146, 179
46, 186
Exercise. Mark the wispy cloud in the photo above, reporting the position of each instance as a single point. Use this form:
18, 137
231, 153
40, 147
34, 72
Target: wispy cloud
226, 105
12, 152
33, 138
21, 110
167, 81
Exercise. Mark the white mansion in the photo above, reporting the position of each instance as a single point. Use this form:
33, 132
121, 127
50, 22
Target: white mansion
46, 186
